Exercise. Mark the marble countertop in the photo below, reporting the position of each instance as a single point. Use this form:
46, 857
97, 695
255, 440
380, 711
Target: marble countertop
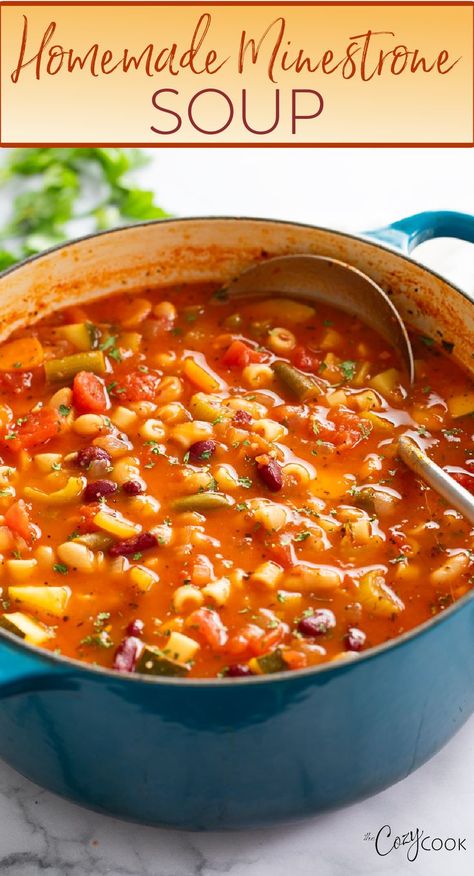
42, 834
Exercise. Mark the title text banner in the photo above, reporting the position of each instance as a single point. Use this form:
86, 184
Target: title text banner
243, 74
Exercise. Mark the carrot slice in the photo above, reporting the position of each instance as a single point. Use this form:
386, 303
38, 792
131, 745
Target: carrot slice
23, 354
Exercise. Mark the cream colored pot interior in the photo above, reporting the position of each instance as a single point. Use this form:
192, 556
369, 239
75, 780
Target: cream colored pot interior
161, 254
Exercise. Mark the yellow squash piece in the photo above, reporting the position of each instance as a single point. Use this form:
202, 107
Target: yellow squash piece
82, 335
113, 523
460, 405
52, 600
143, 578
180, 648
387, 382
26, 628
72, 491
280, 310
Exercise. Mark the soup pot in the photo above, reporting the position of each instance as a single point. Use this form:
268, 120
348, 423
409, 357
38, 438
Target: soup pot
238, 753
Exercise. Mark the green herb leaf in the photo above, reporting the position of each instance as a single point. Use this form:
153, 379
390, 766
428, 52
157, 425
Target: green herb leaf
51, 182
348, 369
245, 482
61, 568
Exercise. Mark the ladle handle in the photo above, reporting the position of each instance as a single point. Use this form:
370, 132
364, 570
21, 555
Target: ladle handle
420, 463
408, 233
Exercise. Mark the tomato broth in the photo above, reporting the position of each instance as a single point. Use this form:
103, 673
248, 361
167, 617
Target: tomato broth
195, 487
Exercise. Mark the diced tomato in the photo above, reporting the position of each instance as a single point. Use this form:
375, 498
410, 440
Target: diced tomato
342, 428
282, 551
209, 625
239, 354
89, 394
464, 478
295, 659
245, 641
305, 359
274, 634
87, 514
17, 518
18, 381
137, 386
37, 427
294, 417
252, 639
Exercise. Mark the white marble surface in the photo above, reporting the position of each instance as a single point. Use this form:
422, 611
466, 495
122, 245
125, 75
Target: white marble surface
41, 834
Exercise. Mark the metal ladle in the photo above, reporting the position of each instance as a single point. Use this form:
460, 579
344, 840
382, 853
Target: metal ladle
330, 281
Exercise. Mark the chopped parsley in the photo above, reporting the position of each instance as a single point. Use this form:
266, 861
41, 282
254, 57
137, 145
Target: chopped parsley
426, 340
99, 640
245, 482
302, 536
61, 568
348, 369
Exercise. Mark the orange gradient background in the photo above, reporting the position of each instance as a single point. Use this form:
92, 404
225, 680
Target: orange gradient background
117, 109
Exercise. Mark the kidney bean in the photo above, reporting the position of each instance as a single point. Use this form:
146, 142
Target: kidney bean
318, 623
127, 654
90, 454
135, 627
201, 451
355, 639
98, 489
271, 475
133, 545
241, 418
237, 670
133, 488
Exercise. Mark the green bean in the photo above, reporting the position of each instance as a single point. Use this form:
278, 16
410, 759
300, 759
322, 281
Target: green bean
299, 384
62, 370
202, 502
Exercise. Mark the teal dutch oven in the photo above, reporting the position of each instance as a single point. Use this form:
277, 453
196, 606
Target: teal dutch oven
214, 754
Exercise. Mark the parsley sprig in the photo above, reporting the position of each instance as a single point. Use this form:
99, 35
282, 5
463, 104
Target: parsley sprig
48, 185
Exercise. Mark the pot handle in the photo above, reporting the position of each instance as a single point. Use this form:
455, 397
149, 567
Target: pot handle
408, 233
23, 671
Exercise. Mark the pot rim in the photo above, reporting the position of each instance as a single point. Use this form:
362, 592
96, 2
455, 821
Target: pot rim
323, 668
